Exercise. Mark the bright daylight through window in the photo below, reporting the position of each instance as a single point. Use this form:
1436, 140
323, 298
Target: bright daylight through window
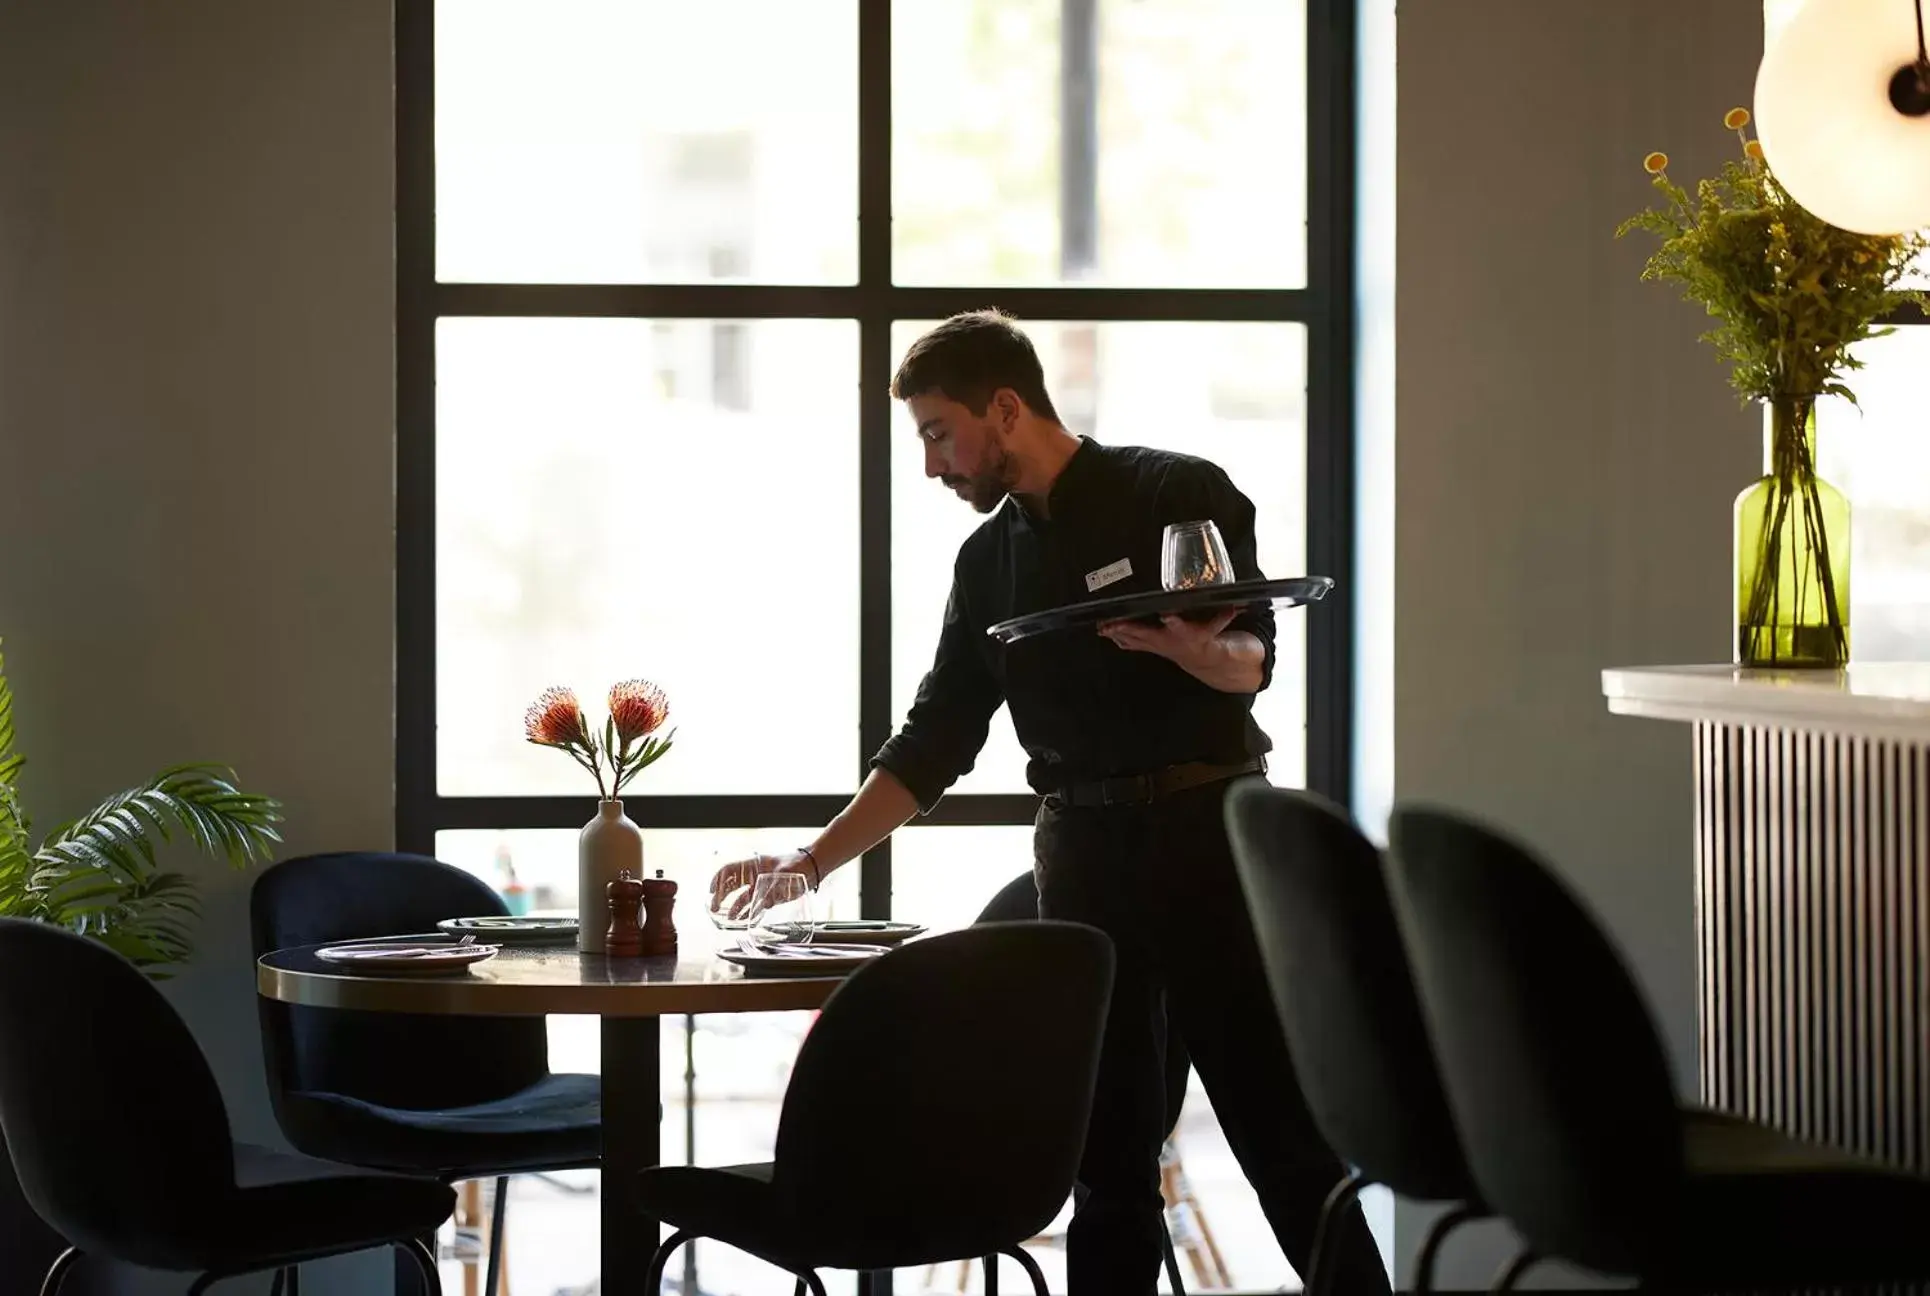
656, 271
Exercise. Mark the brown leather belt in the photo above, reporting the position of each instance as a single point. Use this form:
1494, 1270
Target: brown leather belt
1139, 789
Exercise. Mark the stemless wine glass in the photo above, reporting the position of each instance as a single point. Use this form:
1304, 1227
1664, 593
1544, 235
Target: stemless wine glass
730, 899
780, 911
1192, 554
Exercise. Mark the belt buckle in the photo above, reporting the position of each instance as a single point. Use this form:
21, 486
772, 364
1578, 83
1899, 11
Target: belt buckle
1141, 785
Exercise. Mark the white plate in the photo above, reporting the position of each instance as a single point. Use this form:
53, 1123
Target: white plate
513, 930
801, 960
406, 958
858, 931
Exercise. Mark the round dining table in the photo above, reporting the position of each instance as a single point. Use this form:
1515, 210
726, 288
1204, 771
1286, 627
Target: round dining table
629, 995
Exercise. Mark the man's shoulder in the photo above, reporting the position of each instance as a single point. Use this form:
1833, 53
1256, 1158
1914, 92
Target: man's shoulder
1157, 467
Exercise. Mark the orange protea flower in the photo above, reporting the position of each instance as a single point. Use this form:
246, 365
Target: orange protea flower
1736, 118
638, 708
1656, 163
554, 719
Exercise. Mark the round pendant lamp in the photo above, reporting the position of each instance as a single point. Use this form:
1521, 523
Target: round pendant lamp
1843, 112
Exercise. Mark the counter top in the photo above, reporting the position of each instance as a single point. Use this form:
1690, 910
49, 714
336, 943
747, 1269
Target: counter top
1874, 699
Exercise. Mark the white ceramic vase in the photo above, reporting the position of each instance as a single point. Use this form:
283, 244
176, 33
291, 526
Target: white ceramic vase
608, 844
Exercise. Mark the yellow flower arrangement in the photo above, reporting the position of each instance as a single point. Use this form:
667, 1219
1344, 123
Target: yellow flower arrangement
1793, 294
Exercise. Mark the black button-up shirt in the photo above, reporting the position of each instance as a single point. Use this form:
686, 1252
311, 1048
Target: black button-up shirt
1082, 707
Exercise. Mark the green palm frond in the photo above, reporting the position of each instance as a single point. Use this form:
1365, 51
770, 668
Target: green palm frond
151, 925
10, 760
99, 875
117, 837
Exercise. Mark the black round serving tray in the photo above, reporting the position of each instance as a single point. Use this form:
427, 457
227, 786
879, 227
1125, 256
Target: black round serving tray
1291, 592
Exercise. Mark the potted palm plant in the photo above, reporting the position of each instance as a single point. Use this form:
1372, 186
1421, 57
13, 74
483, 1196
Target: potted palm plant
100, 875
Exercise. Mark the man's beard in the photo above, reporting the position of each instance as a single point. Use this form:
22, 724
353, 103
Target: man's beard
986, 489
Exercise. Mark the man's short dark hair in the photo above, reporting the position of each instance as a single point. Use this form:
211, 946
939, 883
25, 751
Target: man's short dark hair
971, 356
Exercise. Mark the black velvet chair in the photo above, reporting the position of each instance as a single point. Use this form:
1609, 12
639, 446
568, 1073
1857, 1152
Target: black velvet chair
936, 1112
1018, 901
1345, 993
454, 1098
121, 1142
1564, 1101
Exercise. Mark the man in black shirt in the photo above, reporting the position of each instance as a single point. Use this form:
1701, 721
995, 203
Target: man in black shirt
1134, 736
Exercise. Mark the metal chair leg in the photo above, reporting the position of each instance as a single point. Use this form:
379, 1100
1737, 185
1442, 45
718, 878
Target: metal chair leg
1437, 1234
295, 1280
1171, 1258
425, 1263
1338, 1200
1524, 1260
58, 1274
991, 1275
493, 1272
653, 1281
1031, 1267
811, 1283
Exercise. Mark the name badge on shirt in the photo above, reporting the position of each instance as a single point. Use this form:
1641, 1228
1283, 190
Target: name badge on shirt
1110, 574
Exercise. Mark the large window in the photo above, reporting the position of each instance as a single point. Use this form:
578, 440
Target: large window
1876, 453
657, 261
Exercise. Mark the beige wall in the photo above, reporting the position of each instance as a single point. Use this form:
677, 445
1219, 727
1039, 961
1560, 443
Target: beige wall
1567, 452
196, 414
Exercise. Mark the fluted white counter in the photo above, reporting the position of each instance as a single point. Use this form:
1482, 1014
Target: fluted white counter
1873, 699
1812, 848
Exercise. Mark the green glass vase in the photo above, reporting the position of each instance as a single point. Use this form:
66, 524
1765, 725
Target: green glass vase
1792, 551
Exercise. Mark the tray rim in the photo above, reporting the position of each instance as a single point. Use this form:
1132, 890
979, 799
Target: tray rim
1293, 590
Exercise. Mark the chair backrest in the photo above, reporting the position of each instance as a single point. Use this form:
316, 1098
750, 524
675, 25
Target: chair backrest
940, 1101
1018, 901
1553, 1070
393, 1059
1345, 991
112, 1117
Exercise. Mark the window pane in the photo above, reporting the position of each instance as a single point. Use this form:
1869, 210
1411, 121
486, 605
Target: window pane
1879, 457
606, 141
743, 1060
670, 499
1194, 170
1231, 393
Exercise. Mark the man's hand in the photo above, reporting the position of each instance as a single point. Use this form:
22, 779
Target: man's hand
733, 885
1231, 663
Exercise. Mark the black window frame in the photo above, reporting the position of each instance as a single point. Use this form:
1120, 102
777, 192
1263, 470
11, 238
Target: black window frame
1325, 307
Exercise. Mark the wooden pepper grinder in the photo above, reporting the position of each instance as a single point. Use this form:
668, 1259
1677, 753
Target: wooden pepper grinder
659, 930
625, 938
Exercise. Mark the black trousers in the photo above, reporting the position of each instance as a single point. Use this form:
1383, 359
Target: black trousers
1159, 880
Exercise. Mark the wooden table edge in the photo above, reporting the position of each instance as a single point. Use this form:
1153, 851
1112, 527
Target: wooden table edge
469, 997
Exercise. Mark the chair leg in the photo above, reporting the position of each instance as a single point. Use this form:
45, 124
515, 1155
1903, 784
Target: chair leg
294, 1280
1031, 1267
492, 1279
809, 1282
425, 1263
1511, 1273
1171, 1258
991, 1275
1338, 1200
653, 1282
1436, 1235
275, 1287
57, 1275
